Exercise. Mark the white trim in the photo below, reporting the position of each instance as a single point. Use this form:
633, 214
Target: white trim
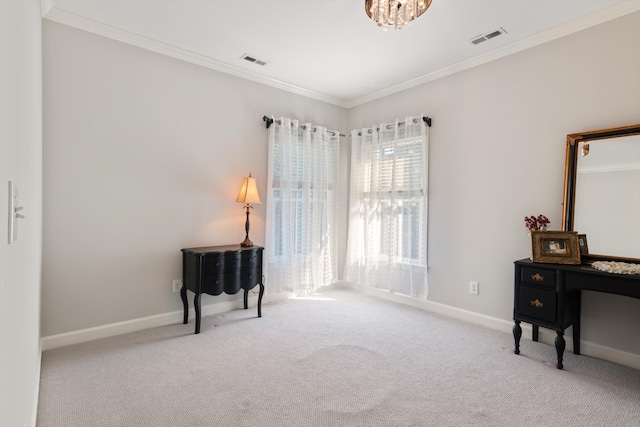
606, 353
604, 15
89, 334
434, 307
61, 16
591, 349
546, 336
45, 6
52, 13
34, 413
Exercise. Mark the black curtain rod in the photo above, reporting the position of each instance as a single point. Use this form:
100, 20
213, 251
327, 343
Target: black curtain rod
269, 122
427, 120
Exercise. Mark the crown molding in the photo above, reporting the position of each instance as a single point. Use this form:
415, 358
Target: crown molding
52, 13
587, 21
45, 7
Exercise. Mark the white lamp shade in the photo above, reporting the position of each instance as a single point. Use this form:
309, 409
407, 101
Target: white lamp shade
249, 192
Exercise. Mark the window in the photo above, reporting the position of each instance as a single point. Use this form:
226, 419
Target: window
399, 193
302, 211
387, 246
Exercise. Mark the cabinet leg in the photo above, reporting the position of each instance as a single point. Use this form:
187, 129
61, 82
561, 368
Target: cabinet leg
576, 326
535, 330
196, 304
185, 304
246, 299
560, 346
260, 300
517, 333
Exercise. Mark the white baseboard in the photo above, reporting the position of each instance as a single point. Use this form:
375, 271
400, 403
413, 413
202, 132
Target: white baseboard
34, 411
434, 307
591, 349
89, 334
546, 336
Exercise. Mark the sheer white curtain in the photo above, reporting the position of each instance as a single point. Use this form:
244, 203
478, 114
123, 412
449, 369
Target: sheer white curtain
387, 242
302, 207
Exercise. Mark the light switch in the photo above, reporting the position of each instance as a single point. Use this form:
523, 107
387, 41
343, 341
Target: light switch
14, 210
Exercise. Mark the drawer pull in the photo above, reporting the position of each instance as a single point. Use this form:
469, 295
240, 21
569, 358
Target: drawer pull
537, 277
536, 303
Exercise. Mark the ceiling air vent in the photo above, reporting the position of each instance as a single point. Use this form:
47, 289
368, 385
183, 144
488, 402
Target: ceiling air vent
484, 37
250, 58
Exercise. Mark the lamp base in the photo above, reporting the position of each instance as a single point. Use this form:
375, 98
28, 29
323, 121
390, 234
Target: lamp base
247, 243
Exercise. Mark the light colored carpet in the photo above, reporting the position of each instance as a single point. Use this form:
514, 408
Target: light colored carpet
341, 360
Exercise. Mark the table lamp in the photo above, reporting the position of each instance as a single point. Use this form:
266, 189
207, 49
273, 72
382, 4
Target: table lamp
248, 194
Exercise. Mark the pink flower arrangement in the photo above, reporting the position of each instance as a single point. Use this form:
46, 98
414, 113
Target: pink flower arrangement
539, 223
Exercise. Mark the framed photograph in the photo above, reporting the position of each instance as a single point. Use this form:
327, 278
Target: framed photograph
582, 242
555, 247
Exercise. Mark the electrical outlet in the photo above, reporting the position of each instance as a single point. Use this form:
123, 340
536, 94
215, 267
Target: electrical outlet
474, 288
177, 285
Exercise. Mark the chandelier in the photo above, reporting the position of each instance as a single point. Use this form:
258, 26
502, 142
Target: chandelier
395, 13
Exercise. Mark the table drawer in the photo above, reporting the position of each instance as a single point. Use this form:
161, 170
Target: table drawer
536, 303
229, 261
538, 276
220, 262
249, 259
231, 282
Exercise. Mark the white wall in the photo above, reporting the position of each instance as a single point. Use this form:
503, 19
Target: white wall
134, 168
144, 155
20, 162
498, 154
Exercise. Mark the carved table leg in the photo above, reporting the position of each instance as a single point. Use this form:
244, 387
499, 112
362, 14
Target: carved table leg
560, 346
185, 304
196, 304
260, 300
517, 333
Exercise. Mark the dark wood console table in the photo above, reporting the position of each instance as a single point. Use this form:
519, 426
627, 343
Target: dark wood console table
548, 295
216, 269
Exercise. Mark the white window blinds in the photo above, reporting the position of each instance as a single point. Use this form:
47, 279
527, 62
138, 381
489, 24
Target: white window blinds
302, 207
387, 243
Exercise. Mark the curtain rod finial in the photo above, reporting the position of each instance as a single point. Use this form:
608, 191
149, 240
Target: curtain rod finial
268, 121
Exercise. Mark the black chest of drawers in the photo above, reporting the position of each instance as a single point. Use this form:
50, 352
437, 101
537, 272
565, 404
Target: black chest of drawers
548, 295
540, 298
216, 269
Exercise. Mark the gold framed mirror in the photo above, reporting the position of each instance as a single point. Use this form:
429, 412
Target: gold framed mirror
602, 192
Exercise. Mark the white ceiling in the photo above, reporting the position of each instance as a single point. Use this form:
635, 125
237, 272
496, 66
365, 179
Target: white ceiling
329, 49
